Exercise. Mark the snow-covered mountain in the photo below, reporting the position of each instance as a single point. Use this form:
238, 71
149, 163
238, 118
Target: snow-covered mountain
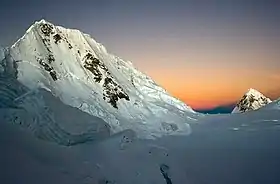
252, 100
81, 73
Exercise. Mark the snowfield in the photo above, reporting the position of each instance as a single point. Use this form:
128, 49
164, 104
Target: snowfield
226, 149
71, 113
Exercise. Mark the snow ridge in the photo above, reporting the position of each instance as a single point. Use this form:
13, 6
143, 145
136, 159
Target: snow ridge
252, 100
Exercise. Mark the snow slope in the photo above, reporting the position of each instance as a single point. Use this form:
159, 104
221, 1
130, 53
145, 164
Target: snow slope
273, 105
81, 73
252, 100
224, 149
41, 113
51, 120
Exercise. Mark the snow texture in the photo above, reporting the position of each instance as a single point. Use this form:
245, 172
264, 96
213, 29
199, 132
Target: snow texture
252, 100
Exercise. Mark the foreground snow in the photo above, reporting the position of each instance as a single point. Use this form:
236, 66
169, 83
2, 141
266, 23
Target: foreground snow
224, 149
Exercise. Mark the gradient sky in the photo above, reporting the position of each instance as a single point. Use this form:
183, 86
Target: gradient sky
207, 53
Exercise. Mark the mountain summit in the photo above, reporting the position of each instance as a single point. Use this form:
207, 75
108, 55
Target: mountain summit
81, 73
252, 100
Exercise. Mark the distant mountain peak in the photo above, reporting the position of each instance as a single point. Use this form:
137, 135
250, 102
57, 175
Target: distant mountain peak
251, 100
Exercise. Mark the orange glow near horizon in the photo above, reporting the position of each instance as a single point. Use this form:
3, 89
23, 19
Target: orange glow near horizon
202, 89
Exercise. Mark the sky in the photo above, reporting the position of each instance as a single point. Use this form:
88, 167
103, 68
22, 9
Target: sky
205, 52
